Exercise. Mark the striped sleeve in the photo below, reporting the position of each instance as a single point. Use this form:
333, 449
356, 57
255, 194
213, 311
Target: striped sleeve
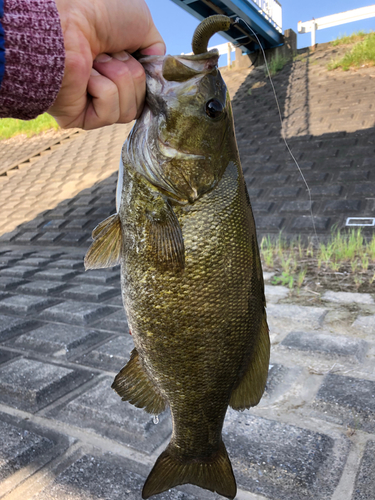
34, 57
2, 43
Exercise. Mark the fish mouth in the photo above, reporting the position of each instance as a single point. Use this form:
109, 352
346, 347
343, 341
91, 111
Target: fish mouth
172, 153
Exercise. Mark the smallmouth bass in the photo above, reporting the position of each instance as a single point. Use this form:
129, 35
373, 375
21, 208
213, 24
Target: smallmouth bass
191, 274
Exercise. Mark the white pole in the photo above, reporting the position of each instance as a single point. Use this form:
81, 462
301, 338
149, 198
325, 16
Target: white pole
229, 58
313, 31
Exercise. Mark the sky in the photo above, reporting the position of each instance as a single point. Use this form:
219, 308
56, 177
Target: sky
177, 26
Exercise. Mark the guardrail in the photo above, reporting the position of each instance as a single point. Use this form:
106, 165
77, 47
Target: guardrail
272, 11
335, 20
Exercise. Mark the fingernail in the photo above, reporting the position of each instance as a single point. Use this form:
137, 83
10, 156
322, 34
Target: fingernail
94, 72
121, 56
102, 58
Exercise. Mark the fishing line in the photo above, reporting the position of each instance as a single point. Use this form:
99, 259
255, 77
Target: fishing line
236, 21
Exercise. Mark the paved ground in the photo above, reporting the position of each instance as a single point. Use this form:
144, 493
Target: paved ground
63, 333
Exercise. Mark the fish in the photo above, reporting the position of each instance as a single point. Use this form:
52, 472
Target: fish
191, 275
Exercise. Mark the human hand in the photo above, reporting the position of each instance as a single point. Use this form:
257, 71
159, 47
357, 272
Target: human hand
103, 83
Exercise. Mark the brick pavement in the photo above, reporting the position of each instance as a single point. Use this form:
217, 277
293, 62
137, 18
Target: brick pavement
64, 336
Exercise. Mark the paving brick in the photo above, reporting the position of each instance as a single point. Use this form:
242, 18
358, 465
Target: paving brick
269, 223
61, 340
77, 224
90, 293
342, 206
254, 192
18, 271
76, 313
20, 448
30, 385
347, 297
262, 207
35, 261
54, 224
364, 488
8, 260
26, 237
331, 345
50, 237
41, 287
285, 192
364, 189
291, 317
80, 212
348, 401
330, 190
74, 238
25, 304
10, 326
99, 276
7, 356
305, 222
55, 275
353, 176
365, 324
100, 409
275, 293
267, 180
9, 283
47, 254
111, 356
301, 206
106, 477
115, 322
304, 165
281, 461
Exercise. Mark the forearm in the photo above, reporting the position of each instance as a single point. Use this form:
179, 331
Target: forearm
34, 58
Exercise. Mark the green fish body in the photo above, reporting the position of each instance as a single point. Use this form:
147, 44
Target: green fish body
191, 274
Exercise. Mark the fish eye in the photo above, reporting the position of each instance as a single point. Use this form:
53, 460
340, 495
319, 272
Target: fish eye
214, 108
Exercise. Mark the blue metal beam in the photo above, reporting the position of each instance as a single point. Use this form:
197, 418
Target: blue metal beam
267, 33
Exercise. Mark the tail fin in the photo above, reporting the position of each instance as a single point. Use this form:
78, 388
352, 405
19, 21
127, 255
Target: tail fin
214, 474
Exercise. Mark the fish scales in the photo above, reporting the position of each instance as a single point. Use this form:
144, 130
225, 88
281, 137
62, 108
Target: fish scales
191, 275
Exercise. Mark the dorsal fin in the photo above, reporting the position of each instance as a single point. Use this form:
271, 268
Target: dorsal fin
105, 251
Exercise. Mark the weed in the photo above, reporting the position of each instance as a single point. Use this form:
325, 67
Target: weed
363, 53
348, 39
9, 127
346, 258
276, 64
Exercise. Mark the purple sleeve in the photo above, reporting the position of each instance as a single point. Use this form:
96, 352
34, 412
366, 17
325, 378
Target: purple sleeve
34, 58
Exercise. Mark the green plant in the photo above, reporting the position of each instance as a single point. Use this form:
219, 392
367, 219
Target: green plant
276, 64
363, 53
347, 39
9, 127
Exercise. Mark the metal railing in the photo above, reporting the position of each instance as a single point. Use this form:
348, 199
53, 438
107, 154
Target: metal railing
335, 20
272, 11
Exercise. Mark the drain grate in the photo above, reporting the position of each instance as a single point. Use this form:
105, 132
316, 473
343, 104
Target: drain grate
360, 221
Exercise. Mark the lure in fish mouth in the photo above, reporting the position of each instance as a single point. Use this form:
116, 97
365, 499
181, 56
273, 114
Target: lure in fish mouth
191, 275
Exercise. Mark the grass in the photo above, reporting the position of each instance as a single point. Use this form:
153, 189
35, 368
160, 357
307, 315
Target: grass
9, 127
345, 262
276, 64
356, 37
361, 54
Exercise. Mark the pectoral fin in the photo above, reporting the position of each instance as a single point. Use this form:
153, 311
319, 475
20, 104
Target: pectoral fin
134, 385
105, 251
251, 387
166, 243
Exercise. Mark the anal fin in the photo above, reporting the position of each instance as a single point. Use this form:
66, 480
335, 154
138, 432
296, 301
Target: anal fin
105, 250
251, 387
133, 384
